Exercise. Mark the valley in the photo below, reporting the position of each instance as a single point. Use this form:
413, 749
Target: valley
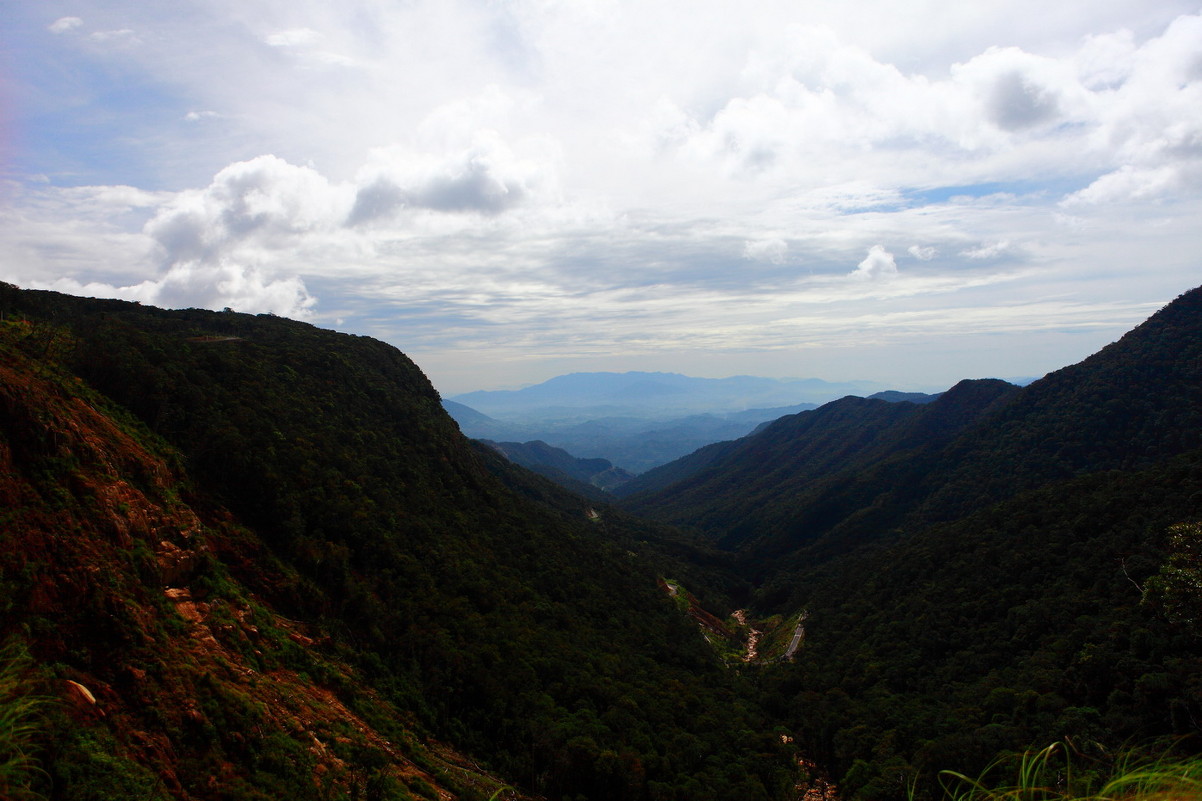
247, 558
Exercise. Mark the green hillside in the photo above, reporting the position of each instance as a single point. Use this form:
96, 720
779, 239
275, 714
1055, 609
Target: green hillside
788, 480
431, 590
980, 573
242, 557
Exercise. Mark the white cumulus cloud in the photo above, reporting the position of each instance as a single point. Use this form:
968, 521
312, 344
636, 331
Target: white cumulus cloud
878, 265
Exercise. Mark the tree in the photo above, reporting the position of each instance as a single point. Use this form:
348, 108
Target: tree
1177, 589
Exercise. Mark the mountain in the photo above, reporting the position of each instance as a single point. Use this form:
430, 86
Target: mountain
1130, 405
245, 558
634, 444
639, 421
589, 477
893, 396
980, 573
652, 395
254, 559
760, 485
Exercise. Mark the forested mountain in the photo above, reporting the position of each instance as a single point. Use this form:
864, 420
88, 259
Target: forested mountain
663, 476
264, 563
759, 487
246, 558
1129, 406
592, 478
979, 573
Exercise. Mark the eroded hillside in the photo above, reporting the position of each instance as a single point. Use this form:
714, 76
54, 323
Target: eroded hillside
171, 676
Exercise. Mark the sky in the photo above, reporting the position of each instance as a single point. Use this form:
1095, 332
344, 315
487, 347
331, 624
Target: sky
911, 193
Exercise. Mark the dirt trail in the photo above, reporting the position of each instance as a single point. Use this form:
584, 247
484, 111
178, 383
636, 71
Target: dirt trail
753, 636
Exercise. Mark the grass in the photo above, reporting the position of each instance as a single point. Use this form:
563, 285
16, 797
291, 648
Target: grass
20, 723
1050, 775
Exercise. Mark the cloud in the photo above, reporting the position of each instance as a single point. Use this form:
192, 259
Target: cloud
1129, 183
224, 284
772, 250
121, 35
303, 44
987, 251
541, 171
293, 37
246, 239
208, 286
225, 245
877, 265
64, 24
1016, 102
1151, 124
486, 177
252, 201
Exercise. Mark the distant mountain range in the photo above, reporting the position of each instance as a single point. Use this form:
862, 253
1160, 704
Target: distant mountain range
653, 396
639, 421
634, 444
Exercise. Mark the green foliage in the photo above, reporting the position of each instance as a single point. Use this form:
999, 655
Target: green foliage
90, 765
21, 722
981, 573
1177, 588
974, 568
1017, 625
1052, 775
478, 600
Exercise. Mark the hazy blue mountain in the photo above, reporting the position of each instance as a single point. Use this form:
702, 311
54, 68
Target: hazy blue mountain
589, 477
662, 395
731, 488
481, 426
635, 444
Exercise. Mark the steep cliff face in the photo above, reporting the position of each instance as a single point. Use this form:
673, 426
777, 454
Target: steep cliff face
170, 676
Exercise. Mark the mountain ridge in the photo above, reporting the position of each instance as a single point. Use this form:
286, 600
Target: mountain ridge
610, 394
1019, 446
351, 537
979, 570
226, 524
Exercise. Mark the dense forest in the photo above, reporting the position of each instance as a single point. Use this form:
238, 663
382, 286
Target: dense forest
246, 558
203, 508
980, 573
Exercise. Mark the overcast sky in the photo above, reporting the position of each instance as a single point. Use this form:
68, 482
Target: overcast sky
907, 192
